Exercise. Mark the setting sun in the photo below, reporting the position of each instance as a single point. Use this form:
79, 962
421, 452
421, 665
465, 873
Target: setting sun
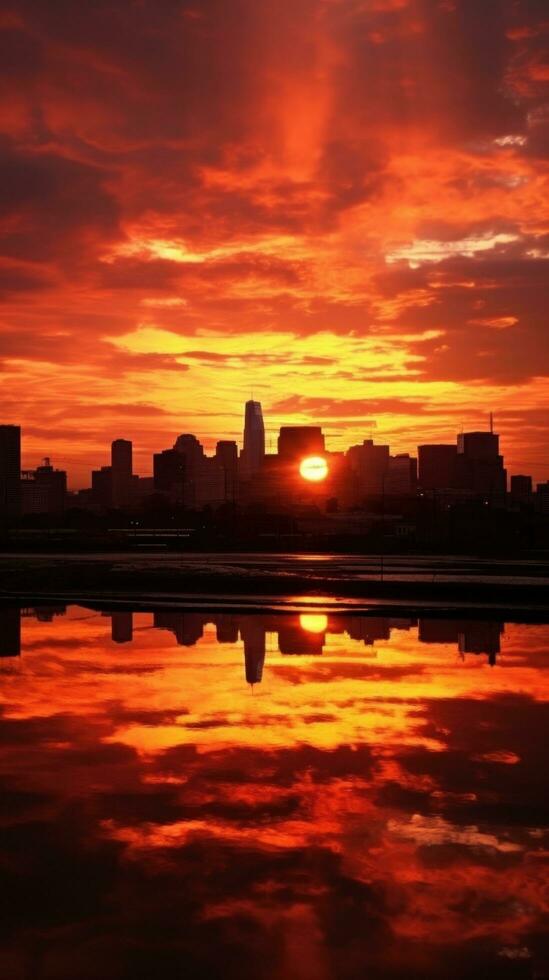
314, 468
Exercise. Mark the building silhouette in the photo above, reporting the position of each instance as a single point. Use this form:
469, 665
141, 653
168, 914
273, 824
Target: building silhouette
187, 476
368, 628
253, 635
226, 454
10, 631
226, 626
169, 468
101, 485
253, 451
187, 627
479, 466
297, 441
43, 490
10, 473
365, 489
437, 466
438, 630
122, 627
295, 641
480, 636
521, 488
368, 465
401, 476
122, 470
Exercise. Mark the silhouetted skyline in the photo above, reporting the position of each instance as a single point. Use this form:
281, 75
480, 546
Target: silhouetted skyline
185, 475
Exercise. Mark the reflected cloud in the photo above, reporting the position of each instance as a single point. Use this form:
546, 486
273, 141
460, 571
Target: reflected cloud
383, 773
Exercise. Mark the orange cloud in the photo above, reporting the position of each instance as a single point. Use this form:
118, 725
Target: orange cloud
331, 175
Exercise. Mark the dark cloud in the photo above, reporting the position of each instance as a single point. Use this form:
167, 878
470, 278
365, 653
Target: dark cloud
50, 203
291, 150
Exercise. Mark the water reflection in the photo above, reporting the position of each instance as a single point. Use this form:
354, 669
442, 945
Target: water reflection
300, 633
378, 807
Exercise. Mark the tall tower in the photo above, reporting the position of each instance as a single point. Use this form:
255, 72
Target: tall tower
254, 438
121, 468
10, 473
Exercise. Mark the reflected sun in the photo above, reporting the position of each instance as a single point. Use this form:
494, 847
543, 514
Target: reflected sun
314, 468
313, 622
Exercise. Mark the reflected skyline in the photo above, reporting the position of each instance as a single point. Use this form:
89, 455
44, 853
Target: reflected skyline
294, 634
377, 808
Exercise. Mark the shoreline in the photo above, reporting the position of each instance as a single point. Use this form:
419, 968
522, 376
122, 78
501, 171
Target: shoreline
362, 585
516, 612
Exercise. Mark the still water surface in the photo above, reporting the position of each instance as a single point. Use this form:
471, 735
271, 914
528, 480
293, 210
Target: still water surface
271, 796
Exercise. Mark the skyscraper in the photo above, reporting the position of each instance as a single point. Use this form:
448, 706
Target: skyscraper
10, 631
10, 473
121, 467
437, 466
401, 477
226, 453
479, 465
122, 627
253, 452
43, 490
369, 464
253, 635
521, 487
297, 441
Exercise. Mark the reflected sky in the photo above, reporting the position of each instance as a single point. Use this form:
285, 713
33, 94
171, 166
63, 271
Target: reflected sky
262, 796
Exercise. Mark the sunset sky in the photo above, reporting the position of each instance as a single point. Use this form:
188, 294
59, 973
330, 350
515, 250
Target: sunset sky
338, 205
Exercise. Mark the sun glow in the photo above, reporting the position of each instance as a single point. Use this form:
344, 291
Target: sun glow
314, 468
313, 622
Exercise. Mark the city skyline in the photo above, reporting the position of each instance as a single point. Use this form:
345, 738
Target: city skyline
339, 205
303, 473
144, 447
244, 459
269, 440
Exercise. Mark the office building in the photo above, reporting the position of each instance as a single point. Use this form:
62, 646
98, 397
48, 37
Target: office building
542, 498
43, 490
10, 631
479, 467
102, 487
480, 636
368, 466
121, 467
188, 628
369, 629
479, 446
521, 488
295, 442
10, 473
401, 477
122, 627
226, 454
253, 451
439, 630
226, 625
293, 640
437, 467
188, 476
253, 635
169, 474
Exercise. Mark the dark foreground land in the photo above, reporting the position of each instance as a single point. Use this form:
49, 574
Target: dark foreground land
246, 580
